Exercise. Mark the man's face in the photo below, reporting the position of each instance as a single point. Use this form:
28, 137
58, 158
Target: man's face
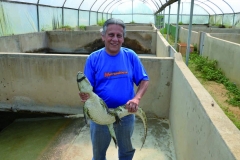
113, 38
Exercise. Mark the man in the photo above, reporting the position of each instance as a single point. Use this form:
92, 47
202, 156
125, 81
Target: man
112, 71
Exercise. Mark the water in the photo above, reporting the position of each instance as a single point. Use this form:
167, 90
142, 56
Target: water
69, 139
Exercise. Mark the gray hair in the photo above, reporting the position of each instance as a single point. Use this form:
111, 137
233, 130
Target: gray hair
113, 21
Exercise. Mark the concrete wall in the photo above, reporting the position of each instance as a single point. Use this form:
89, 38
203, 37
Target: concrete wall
23, 42
146, 38
70, 41
162, 46
232, 35
67, 41
200, 128
227, 55
206, 29
183, 36
227, 36
45, 82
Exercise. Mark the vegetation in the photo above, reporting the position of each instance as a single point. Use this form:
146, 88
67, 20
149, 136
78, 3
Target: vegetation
231, 116
163, 31
55, 23
171, 39
67, 27
206, 69
132, 22
43, 29
101, 22
82, 27
159, 21
159, 18
180, 23
195, 47
210, 72
222, 25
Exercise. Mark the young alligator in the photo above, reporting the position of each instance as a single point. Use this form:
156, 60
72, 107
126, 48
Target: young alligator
96, 109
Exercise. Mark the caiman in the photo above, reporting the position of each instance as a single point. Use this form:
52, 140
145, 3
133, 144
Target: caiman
96, 109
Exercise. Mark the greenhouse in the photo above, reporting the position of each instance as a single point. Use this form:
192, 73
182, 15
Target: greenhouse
190, 50
25, 16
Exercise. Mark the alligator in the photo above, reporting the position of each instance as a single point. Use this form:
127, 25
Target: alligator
96, 109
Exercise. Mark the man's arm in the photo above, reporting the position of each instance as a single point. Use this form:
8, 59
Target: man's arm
132, 105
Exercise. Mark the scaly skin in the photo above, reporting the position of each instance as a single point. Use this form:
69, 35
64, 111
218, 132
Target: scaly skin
96, 109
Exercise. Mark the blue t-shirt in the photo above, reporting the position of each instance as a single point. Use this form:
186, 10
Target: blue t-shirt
113, 77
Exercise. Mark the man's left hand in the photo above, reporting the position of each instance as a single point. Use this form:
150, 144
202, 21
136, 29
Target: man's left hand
132, 105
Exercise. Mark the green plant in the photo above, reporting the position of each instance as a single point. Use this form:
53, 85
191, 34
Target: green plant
196, 65
195, 47
55, 23
101, 22
45, 28
210, 72
163, 30
180, 23
82, 27
132, 22
159, 18
65, 27
232, 117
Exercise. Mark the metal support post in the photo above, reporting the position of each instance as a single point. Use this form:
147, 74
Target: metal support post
168, 21
189, 32
176, 34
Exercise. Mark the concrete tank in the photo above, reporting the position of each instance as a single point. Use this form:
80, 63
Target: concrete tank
183, 123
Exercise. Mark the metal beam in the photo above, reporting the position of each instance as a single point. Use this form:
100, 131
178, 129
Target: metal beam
165, 5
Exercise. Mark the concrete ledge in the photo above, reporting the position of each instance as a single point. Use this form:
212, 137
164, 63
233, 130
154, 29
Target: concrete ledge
227, 36
50, 80
200, 128
16, 107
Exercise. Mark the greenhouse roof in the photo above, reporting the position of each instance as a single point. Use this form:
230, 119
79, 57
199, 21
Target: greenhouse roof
25, 16
211, 7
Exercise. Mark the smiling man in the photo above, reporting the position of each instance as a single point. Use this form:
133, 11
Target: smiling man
113, 71
113, 37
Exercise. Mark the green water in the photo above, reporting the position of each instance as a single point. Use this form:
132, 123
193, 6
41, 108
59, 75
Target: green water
30, 139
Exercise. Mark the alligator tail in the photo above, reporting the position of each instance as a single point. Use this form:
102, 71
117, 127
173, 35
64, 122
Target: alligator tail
112, 133
140, 113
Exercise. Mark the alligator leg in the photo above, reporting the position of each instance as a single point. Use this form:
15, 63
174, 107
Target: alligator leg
86, 114
115, 114
118, 120
112, 133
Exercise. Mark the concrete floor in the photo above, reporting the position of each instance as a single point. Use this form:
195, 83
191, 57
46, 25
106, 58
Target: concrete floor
69, 139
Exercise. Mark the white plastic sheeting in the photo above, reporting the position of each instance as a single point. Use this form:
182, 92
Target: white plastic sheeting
24, 16
211, 6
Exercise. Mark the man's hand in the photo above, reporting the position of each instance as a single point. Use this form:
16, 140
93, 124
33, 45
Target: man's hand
132, 105
84, 96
